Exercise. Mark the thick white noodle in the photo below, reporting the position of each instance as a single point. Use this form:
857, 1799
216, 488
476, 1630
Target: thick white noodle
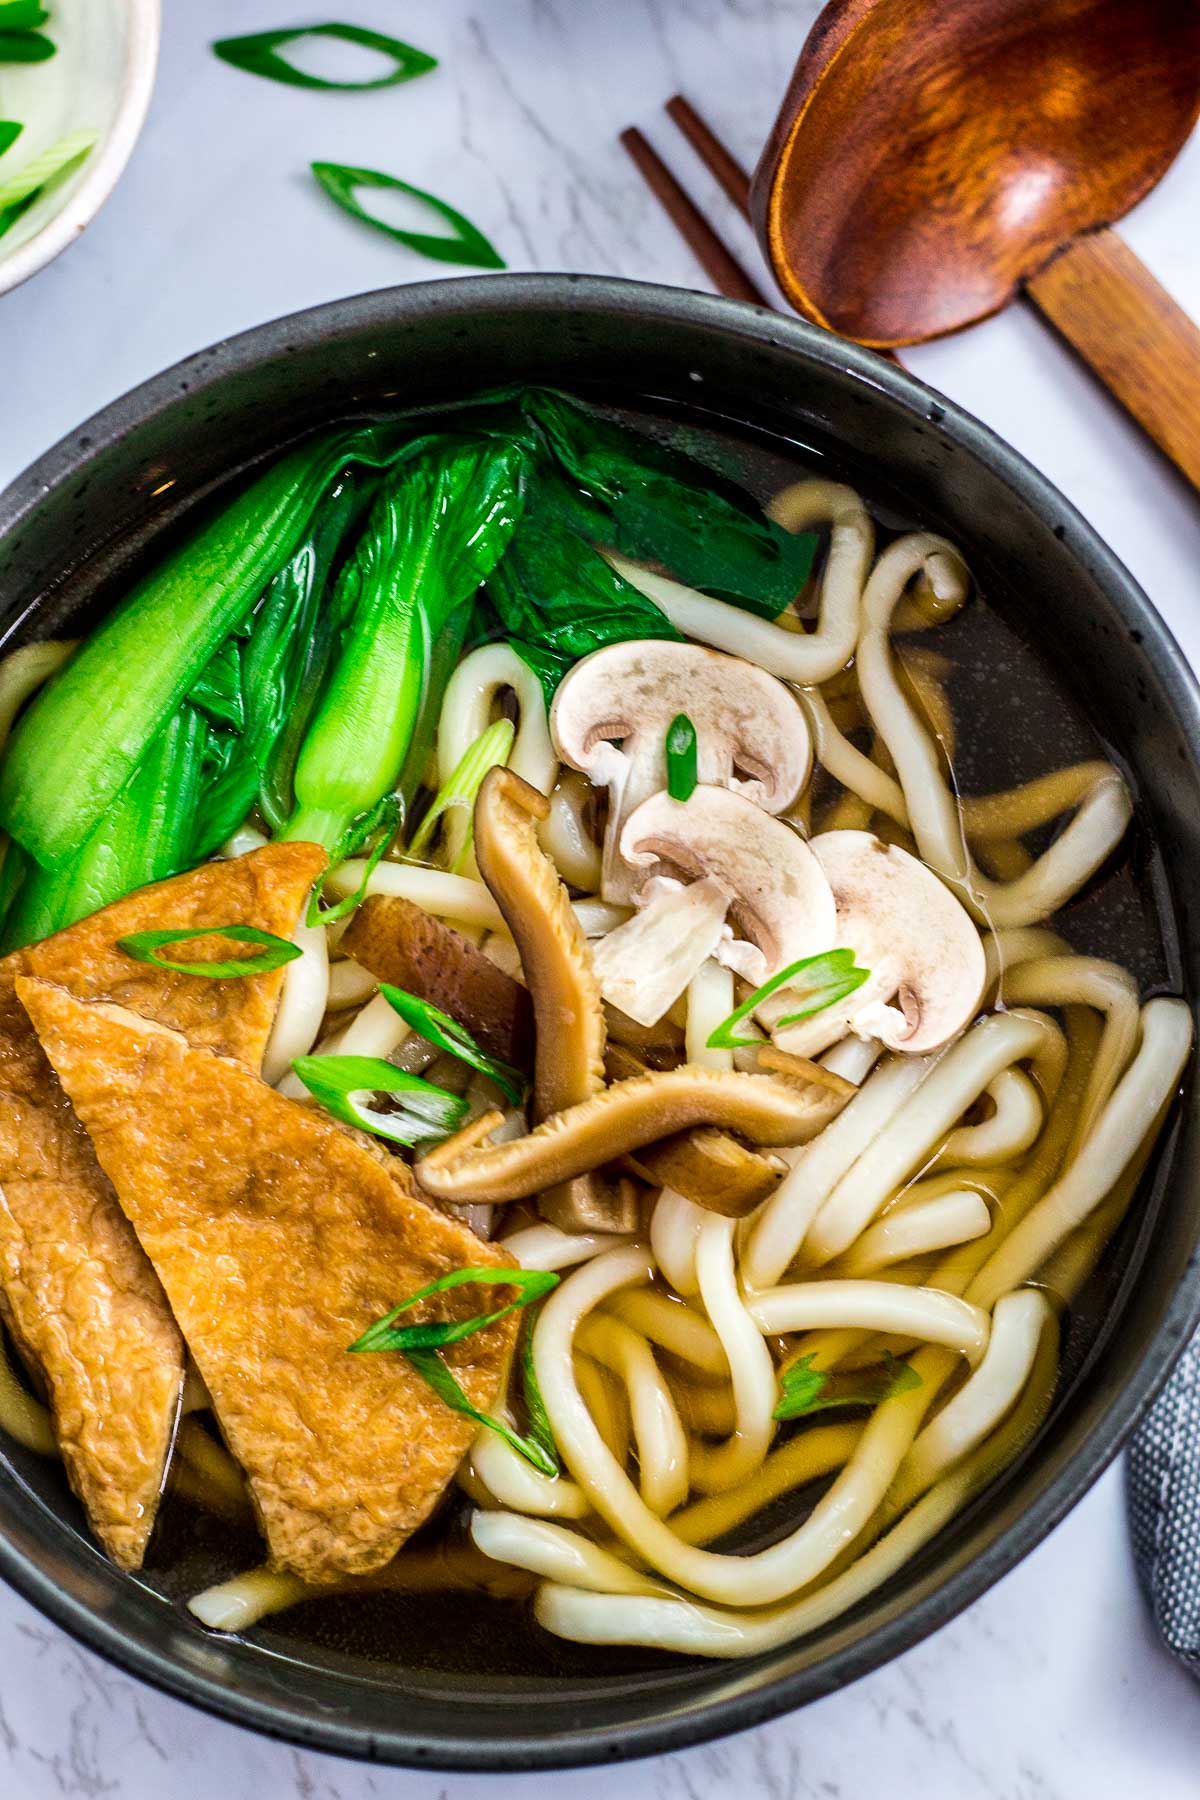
936, 1224
716, 1468
662, 1446
516, 1483
1087, 981
302, 1003
755, 1580
237, 1604
709, 1000
565, 838
1012, 1128
558, 1555
596, 916
467, 712
1003, 950
244, 839
444, 895
848, 764
989, 1394
674, 1326
1131, 1110
682, 1625
675, 1226
804, 657
376, 1031
781, 1225
928, 1314
349, 984
546, 1247
907, 1141
1098, 824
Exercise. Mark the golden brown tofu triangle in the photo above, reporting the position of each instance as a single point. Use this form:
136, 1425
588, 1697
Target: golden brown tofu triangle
278, 1240
76, 1289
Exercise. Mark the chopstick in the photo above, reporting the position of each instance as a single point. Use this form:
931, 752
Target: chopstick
712, 153
715, 258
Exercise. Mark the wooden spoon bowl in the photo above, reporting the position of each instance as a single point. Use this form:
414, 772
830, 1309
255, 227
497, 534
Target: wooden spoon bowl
928, 160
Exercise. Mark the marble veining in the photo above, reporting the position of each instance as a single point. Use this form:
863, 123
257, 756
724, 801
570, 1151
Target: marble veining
1052, 1687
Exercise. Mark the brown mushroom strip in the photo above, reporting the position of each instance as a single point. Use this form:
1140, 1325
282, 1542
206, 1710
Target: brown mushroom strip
621, 1119
800, 1068
708, 1167
403, 944
568, 1063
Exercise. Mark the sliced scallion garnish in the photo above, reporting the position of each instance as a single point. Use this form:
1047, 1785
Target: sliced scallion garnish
465, 244
431, 1368
383, 819
385, 1334
42, 169
258, 54
437, 1027
462, 787
427, 1112
821, 980
419, 1345
22, 15
803, 1389
535, 1407
10, 131
25, 47
681, 758
144, 946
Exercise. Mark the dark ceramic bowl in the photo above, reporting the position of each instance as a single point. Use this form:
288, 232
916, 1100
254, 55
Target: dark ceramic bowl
69, 530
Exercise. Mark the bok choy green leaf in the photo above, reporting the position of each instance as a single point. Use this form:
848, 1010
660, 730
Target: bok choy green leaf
649, 501
84, 735
434, 533
145, 835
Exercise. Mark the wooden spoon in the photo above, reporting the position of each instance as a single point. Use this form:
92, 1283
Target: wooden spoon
931, 161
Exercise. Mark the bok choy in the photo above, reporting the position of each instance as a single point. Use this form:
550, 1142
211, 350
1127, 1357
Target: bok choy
87, 731
435, 532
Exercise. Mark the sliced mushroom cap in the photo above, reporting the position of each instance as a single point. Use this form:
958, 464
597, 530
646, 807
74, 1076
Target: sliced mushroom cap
778, 892
904, 925
611, 715
618, 1121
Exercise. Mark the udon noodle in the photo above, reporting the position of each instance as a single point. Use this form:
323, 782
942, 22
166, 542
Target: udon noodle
911, 1260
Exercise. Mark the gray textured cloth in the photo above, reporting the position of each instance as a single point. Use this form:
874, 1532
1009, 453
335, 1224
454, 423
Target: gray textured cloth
1163, 1475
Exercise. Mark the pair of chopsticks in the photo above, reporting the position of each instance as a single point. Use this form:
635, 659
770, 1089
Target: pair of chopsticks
714, 256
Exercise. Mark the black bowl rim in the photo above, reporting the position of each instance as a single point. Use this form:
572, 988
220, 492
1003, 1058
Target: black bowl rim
739, 1712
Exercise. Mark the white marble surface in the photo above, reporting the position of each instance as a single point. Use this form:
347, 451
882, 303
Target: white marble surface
1052, 1687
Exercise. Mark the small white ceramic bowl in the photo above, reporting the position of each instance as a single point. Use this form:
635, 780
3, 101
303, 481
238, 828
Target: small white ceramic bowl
100, 80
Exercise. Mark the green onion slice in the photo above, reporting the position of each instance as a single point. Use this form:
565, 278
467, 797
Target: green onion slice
804, 1389
431, 1368
384, 819
10, 131
531, 1284
143, 946
823, 980
461, 788
258, 54
22, 15
535, 1407
25, 47
427, 1113
681, 758
439, 1028
42, 169
465, 244
419, 1344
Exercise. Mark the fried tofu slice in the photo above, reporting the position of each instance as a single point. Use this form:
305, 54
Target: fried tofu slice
77, 1292
278, 1240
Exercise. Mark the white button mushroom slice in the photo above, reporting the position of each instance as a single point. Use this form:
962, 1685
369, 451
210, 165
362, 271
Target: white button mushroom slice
925, 956
611, 715
644, 965
778, 893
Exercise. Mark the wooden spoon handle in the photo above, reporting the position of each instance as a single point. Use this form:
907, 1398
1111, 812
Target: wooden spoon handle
1144, 348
